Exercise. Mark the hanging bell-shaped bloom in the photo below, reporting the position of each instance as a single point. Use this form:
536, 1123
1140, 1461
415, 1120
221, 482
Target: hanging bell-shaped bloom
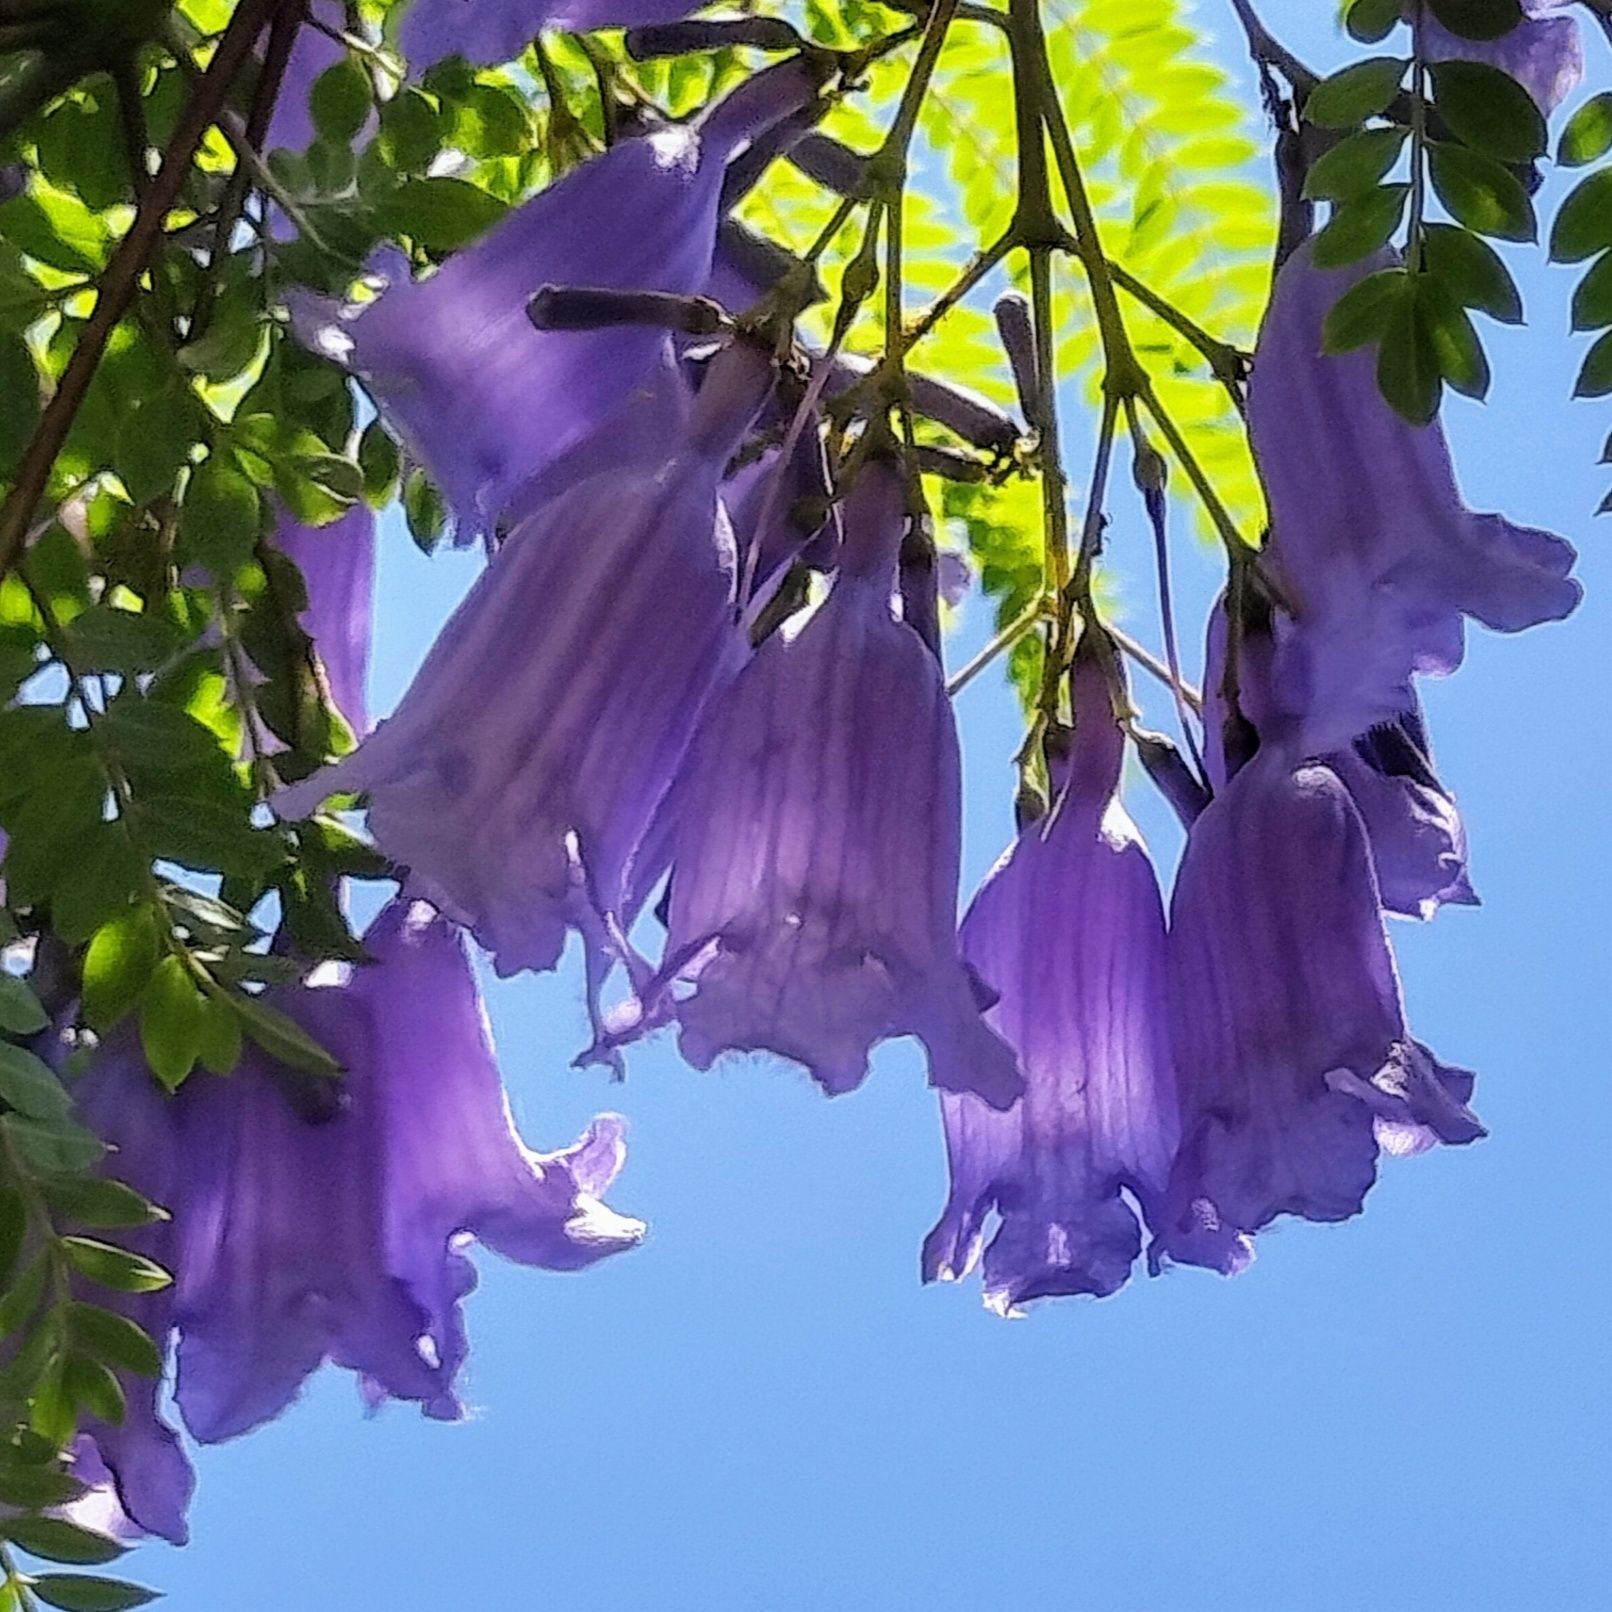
1373, 546
487, 32
1418, 841
316, 1220
482, 398
1291, 1049
1543, 52
1068, 930
522, 767
816, 832
337, 563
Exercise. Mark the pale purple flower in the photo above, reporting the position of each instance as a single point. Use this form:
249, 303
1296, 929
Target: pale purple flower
1543, 52
1291, 1050
1370, 540
491, 31
314, 1220
482, 398
337, 563
1068, 930
524, 763
816, 835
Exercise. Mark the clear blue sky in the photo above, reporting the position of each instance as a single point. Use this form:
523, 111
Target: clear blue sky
761, 1409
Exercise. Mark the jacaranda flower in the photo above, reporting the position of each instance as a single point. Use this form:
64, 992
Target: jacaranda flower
816, 832
527, 758
1287, 1025
1068, 930
337, 563
1370, 540
491, 31
1543, 52
315, 1220
485, 400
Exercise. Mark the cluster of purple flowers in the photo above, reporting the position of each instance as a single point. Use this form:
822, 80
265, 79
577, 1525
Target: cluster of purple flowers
597, 720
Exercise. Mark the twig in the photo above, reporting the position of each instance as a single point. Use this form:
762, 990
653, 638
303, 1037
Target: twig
121, 280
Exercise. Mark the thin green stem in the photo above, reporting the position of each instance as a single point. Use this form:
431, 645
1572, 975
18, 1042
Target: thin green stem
1418, 144
1003, 641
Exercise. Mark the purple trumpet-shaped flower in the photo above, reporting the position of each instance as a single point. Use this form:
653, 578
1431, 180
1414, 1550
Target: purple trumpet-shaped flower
815, 833
1418, 841
491, 31
1288, 1029
485, 400
1069, 931
337, 563
522, 767
1543, 52
1369, 536
314, 1221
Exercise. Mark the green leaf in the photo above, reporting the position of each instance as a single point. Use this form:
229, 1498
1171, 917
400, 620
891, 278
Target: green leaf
1355, 164
206, 837
171, 1022
115, 1339
118, 964
281, 1037
1471, 271
1362, 313
379, 462
1408, 372
1592, 297
1360, 91
1477, 19
94, 1387
31, 1488
1588, 135
30, 1085
113, 1267
19, 385
441, 213
1583, 225
340, 101
53, 1147
411, 129
57, 229
1372, 20
423, 510
151, 736
13, 1230
59, 1541
218, 1047
106, 639
20, 1010
1480, 193
1595, 378
98, 1201
72, 1592
1489, 110
222, 516
1360, 226
21, 1299
1455, 341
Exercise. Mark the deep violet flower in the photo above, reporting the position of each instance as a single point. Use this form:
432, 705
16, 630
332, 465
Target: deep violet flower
486, 401
1068, 930
314, 1221
337, 563
524, 763
1543, 52
490, 31
1291, 1049
815, 832
1369, 536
